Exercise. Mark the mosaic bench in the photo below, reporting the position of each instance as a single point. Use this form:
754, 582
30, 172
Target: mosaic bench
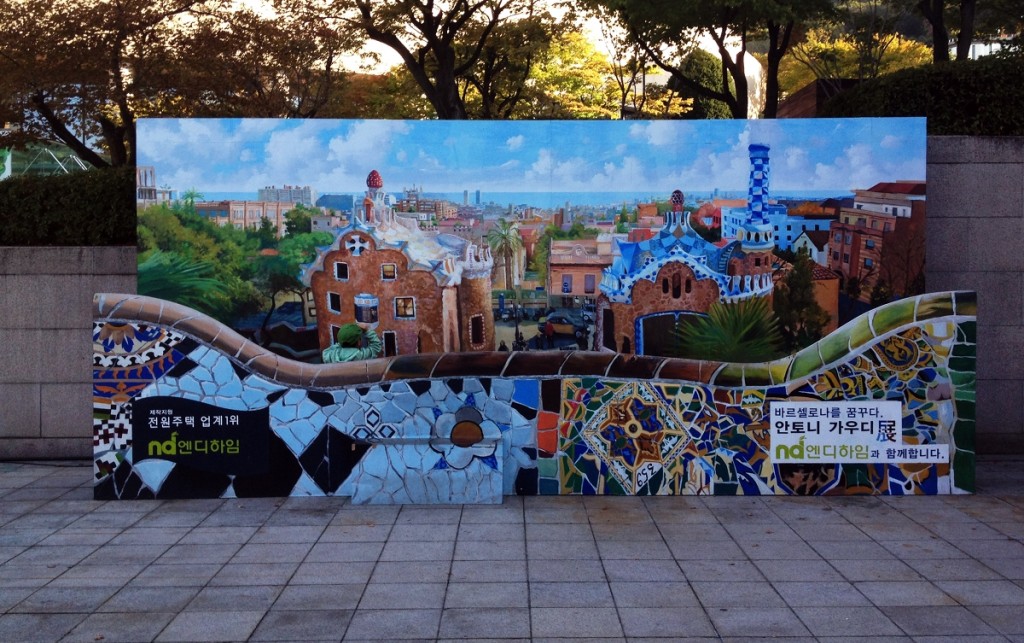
185, 407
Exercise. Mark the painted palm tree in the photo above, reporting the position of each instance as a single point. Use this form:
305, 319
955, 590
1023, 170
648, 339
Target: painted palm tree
505, 242
170, 276
744, 332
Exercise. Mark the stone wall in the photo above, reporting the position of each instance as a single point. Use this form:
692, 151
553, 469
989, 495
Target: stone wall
975, 227
975, 224
45, 353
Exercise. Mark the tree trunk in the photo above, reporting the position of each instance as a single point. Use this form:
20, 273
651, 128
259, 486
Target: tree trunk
966, 35
932, 10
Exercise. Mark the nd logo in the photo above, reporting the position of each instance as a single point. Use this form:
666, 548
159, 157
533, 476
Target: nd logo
167, 447
790, 452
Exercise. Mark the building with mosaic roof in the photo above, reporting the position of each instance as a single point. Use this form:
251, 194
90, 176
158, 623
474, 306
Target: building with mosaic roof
651, 284
433, 290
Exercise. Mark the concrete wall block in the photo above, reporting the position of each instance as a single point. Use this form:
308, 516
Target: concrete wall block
19, 411
959, 150
21, 352
994, 246
65, 410
67, 260
66, 355
977, 191
946, 238
1000, 407
999, 351
1000, 294
47, 449
47, 301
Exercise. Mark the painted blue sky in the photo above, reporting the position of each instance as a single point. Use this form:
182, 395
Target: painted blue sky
334, 156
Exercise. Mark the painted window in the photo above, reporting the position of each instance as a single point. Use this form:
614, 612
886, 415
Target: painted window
334, 302
390, 339
476, 329
870, 243
566, 283
388, 271
846, 258
405, 307
341, 271
868, 263
589, 284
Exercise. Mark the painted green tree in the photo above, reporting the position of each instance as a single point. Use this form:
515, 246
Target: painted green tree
742, 332
801, 320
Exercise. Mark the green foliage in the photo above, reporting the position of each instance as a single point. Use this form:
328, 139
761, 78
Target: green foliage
801, 320
94, 208
170, 276
971, 98
706, 70
742, 332
299, 219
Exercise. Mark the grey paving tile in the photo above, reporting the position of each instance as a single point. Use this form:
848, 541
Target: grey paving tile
571, 594
413, 571
847, 621
355, 533
394, 624
481, 531
545, 550
577, 532
574, 622
871, 569
163, 575
417, 551
332, 573
714, 594
677, 623
818, 593
891, 593
237, 625
396, 596
37, 627
724, 550
930, 547
189, 553
983, 592
54, 600
245, 598
69, 536
653, 549
96, 575
655, 571
616, 531
125, 626
320, 597
498, 594
509, 512
272, 552
218, 535
639, 594
302, 625
737, 570
414, 532
293, 534
850, 550
35, 575
480, 571
1002, 548
797, 570
485, 622
134, 599
254, 574
947, 620
366, 515
757, 622
587, 569
702, 531
344, 552
40, 555
778, 550
964, 569
843, 532
150, 536
418, 515
10, 596
490, 550
1003, 618
122, 554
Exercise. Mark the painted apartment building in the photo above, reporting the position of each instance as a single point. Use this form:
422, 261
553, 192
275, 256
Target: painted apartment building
246, 214
881, 237
289, 193
575, 269
433, 290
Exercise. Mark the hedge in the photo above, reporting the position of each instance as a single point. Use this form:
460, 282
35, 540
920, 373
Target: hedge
92, 208
971, 98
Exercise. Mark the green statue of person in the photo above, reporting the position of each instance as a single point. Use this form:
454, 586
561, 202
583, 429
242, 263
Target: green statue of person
349, 348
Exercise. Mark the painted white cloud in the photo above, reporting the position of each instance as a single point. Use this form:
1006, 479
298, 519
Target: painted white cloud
515, 142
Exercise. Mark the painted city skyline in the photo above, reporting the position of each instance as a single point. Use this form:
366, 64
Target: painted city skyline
647, 157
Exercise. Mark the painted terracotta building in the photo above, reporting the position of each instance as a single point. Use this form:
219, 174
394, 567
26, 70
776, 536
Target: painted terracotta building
433, 290
653, 283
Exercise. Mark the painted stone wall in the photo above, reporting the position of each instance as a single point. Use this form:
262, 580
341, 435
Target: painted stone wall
183, 407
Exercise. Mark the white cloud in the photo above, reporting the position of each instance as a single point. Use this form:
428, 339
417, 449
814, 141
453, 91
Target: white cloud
515, 142
891, 142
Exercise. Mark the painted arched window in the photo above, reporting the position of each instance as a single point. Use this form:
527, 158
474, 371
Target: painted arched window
677, 286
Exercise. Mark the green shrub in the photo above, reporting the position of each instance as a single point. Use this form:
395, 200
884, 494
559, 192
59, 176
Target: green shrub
93, 208
971, 98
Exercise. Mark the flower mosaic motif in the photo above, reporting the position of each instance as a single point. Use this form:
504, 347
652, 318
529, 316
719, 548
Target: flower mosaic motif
464, 436
356, 245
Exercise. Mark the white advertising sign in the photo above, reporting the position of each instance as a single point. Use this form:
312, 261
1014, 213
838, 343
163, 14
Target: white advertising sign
865, 432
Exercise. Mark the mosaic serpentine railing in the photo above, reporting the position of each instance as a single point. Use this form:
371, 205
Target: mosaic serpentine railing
185, 407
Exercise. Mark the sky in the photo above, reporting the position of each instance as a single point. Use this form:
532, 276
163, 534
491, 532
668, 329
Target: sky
335, 156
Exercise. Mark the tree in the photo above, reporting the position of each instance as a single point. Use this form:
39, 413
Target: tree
505, 241
299, 219
571, 81
167, 275
438, 42
801, 320
667, 30
741, 332
71, 69
706, 70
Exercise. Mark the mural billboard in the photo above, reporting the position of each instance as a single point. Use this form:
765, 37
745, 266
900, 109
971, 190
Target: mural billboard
737, 241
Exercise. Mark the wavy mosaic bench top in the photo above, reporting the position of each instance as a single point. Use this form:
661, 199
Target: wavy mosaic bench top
545, 415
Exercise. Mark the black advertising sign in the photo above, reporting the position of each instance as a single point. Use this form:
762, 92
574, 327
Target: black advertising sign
200, 435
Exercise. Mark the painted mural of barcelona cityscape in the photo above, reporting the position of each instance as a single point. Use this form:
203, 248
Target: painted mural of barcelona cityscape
730, 240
